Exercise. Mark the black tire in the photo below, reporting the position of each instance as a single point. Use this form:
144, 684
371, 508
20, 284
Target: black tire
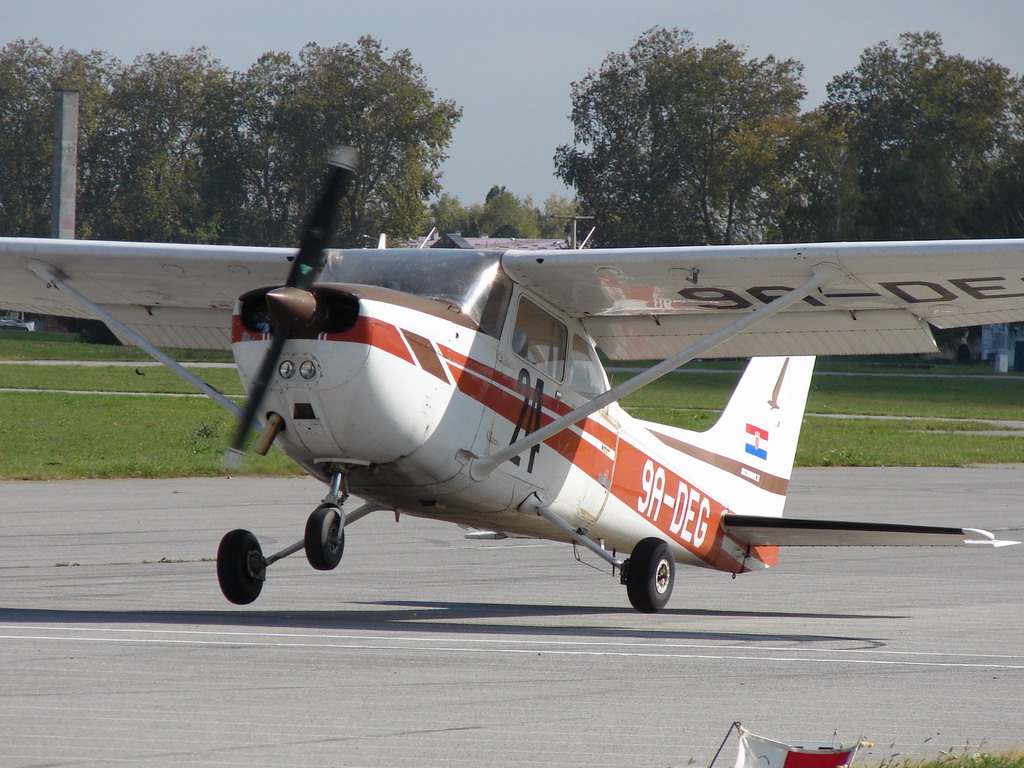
241, 568
325, 537
649, 574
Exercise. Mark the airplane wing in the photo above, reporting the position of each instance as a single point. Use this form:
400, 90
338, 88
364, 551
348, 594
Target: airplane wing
637, 303
172, 295
790, 532
648, 304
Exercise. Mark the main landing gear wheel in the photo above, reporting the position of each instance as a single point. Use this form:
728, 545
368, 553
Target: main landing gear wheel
648, 575
241, 568
325, 537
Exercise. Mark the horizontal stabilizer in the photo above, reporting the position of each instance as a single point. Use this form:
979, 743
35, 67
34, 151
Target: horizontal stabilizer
788, 532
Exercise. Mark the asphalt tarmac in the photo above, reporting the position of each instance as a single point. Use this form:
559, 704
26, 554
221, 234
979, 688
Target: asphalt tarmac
426, 649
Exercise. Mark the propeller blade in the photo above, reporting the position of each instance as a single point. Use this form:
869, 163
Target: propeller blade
293, 301
310, 260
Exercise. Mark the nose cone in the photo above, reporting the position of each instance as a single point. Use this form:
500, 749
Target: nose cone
291, 307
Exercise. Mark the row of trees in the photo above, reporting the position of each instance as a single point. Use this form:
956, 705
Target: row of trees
673, 144
179, 148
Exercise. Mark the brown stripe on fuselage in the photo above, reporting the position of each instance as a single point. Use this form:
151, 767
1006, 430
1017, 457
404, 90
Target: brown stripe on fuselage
758, 477
425, 353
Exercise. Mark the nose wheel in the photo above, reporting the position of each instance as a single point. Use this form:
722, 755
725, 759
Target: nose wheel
325, 537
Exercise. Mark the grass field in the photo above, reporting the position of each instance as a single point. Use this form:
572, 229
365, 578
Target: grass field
973, 397
114, 378
970, 759
49, 435
22, 345
945, 411
53, 435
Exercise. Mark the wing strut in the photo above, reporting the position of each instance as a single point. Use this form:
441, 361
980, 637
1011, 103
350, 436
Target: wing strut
576, 534
821, 274
57, 279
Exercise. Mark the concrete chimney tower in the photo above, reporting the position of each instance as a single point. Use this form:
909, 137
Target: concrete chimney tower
65, 163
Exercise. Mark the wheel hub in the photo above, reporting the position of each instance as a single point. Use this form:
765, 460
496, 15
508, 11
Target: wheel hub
256, 566
663, 577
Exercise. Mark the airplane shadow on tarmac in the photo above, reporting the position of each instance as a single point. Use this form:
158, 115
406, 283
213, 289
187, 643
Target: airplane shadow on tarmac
466, 618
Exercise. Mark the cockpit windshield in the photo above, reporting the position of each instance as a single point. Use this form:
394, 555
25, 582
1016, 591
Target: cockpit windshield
471, 280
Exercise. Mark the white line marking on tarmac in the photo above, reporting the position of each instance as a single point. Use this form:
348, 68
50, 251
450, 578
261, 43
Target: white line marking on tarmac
547, 647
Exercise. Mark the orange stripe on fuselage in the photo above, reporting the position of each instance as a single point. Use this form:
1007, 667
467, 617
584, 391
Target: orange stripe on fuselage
503, 383
366, 330
376, 333
491, 388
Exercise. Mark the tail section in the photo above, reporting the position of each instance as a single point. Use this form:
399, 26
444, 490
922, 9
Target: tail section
748, 455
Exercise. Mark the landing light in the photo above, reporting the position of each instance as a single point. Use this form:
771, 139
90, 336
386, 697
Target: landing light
307, 369
286, 369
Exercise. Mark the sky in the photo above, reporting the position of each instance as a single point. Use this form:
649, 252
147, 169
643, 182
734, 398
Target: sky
510, 66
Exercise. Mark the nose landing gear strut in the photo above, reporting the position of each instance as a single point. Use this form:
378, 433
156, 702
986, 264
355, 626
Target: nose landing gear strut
242, 568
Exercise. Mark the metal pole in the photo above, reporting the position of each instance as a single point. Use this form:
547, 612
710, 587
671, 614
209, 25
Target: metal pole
574, 241
736, 724
65, 164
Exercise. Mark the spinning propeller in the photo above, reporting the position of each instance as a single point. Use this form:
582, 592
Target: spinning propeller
293, 304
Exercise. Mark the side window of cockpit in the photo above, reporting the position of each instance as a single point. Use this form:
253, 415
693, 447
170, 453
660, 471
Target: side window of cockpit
539, 339
586, 376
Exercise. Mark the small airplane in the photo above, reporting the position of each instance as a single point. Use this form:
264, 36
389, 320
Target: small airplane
465, 386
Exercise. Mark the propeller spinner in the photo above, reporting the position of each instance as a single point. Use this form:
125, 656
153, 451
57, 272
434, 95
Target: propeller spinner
293, 304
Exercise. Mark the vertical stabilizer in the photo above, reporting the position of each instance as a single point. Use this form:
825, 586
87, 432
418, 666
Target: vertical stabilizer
748, 454
761, 424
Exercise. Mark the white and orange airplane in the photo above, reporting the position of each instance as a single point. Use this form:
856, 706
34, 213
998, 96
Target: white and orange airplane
464, 385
